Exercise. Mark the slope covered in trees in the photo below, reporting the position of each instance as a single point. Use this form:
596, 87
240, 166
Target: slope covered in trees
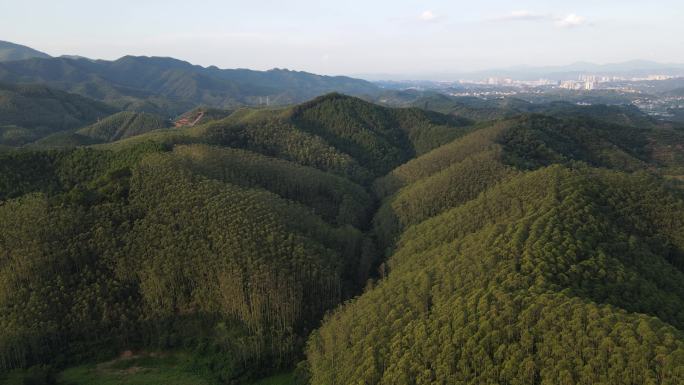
561, 276
452, 186
120, 125
469, 107
339, 133
11, 51
30, 112
105, 251
123, 125
156, 84
457, 172
514, 260
534, 140
480, 109
334, 198
229, 239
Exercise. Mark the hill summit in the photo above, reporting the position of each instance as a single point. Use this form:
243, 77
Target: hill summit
11, 51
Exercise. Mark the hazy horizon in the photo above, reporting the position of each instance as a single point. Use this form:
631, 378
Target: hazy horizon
355, 38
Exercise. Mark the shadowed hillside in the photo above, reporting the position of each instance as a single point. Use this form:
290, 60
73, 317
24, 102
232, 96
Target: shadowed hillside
10, 51
29, 112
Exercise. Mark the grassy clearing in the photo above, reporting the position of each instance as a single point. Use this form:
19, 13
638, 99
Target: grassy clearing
142, 369
149, 368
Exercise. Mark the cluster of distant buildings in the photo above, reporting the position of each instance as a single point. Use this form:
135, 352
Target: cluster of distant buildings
584, 82
590, 82
511, 82
578, 85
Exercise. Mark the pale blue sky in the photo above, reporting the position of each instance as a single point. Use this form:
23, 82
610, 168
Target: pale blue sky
354, 36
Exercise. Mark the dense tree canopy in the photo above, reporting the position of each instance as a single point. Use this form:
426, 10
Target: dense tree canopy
513, 260
30, 112
563, 274
112, 249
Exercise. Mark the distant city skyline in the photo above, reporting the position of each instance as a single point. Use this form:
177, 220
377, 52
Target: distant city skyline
354, 37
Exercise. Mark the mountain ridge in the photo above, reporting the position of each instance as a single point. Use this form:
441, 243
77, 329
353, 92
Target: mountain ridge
178, 83
12, 51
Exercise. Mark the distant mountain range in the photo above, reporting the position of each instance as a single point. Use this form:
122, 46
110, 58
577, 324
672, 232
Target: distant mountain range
169, 86
10, 51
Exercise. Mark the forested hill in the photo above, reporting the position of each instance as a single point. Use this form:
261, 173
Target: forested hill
533, 249
228, 239
175, 86
30, 112
123, 125
10, 51
340, 134
488, 109
560, 276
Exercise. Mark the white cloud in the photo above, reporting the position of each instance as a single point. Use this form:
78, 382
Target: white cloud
567, 21
570, 21
428, 16
520, 15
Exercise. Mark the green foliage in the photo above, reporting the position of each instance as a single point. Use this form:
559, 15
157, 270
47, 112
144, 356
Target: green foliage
195, 248
506, 275
281, 379
22, 172
541, 278
63, 139
479, 109
534, 249
469, 107
35, 375
279, 139
58, 171
438, 159
381, 138
339, 134
30, 112
334, 198
450, 187
532, 141
123, 125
